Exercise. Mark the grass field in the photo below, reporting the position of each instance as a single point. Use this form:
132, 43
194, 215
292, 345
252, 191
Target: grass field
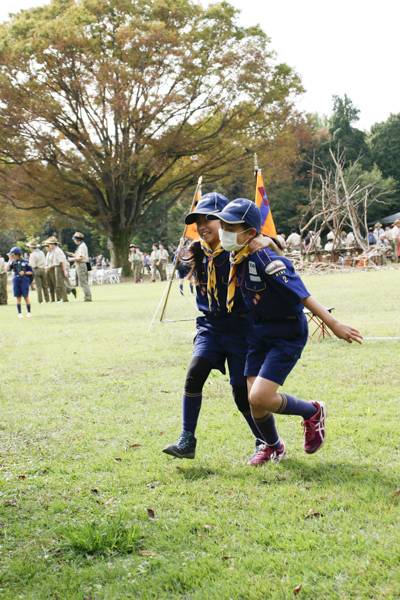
88, 401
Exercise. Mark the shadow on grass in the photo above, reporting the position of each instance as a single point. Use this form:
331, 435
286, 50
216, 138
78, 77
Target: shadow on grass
325, 473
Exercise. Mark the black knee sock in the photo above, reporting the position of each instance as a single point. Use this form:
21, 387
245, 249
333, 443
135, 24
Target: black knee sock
199, 370
240, 395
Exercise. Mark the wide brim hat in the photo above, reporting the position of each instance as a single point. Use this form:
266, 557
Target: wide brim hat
51, 240
240, 210
78, 235
32, 244
208, 204
397, 222
378, 224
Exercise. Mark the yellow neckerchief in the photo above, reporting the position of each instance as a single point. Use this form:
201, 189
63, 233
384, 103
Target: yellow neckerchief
235, 259
212, 291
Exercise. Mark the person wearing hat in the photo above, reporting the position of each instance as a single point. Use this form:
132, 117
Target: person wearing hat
136, 260
275, 297
37, 261
220, 337
384, 245
50, 272
59, 264
21, 282
81, 258
3, 281
163, 261
396, 240
378, 230
155, 263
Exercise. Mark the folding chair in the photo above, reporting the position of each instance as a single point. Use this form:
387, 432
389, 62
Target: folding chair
321, 329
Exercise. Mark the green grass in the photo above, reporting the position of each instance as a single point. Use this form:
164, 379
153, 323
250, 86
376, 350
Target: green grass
84, 384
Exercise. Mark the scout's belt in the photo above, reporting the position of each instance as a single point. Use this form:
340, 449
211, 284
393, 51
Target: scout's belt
258, 319
224, 315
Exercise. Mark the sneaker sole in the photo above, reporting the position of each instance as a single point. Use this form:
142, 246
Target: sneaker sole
171, 452
324, 410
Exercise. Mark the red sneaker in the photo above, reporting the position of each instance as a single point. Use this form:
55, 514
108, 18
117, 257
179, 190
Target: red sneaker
315, 429
268, 454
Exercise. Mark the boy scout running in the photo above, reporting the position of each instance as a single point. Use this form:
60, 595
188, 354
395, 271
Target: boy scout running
81, 258
37, 261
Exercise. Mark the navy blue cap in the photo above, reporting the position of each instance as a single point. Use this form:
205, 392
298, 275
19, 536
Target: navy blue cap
15, 250
241, 210
208, 204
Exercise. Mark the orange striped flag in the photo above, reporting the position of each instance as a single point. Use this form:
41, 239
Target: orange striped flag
191, 230
267, 222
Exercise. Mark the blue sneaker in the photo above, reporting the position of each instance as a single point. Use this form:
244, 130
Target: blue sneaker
185, 447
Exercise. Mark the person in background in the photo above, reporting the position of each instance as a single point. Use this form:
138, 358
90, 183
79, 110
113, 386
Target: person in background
384, 244
155, 263
389, 237
281, 238
81, 259
59, 262
163, 260
37, 261
350, 238
182, 268
3, 282
396, 239
378, 231
293, 242
343, 239
50, 272
99, 259
146, 263
371, 237
136, 260
21, 269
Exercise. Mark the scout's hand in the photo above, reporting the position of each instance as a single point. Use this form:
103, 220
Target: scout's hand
21, 273
345, 332
260, 242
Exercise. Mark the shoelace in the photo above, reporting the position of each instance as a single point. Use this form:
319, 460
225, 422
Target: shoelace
269, 452
309, 429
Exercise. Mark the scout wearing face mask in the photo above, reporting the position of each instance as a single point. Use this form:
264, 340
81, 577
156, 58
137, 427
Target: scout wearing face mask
229, 240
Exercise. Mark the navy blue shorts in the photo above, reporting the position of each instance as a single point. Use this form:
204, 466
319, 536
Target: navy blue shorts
275, 347
182, 273
21, 286
220, 340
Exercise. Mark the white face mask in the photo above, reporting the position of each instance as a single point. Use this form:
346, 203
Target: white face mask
229, 240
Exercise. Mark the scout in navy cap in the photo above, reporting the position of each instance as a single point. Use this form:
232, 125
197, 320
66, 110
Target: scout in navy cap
209, 203
275, 297
21, 282
221, 336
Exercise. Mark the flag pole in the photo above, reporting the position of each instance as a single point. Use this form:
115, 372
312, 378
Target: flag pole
255, 172
179, 252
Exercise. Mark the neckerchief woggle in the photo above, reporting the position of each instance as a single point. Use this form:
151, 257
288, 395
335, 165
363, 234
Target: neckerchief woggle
212, 291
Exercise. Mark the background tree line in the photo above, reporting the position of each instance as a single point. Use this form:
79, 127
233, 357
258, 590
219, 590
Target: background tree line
110, 112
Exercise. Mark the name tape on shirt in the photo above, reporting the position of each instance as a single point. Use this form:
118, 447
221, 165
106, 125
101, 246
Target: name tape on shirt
274, 267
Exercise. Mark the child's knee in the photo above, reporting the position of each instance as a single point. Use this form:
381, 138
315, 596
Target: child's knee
259, 400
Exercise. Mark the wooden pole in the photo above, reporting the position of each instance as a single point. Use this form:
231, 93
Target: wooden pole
179, 252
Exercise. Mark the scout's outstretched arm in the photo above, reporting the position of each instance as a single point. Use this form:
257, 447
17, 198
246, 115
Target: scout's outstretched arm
344, 332
260, 242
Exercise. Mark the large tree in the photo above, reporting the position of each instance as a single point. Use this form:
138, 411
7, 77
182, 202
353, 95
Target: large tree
116, 104
385, 142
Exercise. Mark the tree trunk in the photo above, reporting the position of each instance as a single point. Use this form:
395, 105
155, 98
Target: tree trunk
120, 252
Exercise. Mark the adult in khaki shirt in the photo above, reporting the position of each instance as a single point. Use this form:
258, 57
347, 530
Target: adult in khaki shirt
396, 240
59, 263
155, 263
136, 260
163, 261
37, 261
81, 259
50, 272
3, 281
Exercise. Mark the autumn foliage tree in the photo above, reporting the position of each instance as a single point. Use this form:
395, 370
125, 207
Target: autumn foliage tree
108, 106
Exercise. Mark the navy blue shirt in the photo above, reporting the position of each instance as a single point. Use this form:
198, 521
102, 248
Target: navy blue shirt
20, 265
270, 286
222, 268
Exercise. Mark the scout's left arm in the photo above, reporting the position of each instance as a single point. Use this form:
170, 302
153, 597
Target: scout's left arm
261, 242
344, 332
